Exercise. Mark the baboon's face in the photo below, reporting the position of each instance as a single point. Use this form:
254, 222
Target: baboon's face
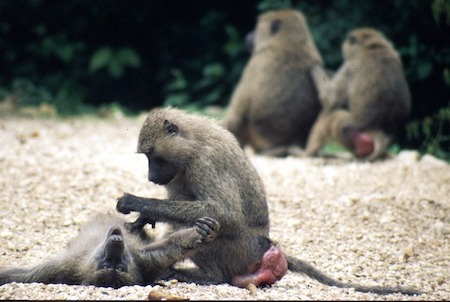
159, 141
265, 30
160, 171
352, 44
278, 28
360, 39
113, 263
113, 255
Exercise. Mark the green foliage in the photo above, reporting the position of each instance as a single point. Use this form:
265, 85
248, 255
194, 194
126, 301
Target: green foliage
441, 11
209, 86
434, 132
207, 79
331, 148
50, 54
30, 94
66, 99
57, 45
113, 61
267, 5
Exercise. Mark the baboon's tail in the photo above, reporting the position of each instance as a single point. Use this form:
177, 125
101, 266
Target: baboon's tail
8, 275
299, 266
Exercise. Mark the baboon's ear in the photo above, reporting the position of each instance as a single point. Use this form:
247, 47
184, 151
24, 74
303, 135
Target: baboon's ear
170, 127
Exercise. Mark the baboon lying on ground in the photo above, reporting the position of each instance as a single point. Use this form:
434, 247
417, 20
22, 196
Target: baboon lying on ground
366, 101
206, 173
106, 254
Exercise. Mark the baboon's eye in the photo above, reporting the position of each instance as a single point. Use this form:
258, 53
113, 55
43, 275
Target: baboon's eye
352, 40
275, 26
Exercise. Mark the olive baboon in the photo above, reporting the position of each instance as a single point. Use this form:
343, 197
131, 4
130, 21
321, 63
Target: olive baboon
275, 103
105, 253
206, 173
366, 101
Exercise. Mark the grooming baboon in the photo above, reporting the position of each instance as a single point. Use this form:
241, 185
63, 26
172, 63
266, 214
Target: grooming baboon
275, 103
206, 173
106, 254
366, 101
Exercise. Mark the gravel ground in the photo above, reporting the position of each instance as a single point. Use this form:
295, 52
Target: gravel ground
383, 223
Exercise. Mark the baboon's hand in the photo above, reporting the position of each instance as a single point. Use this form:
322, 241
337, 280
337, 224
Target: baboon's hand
128, 203
318, 73
208, 228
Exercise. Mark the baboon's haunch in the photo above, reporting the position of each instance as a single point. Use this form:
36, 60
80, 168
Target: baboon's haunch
106, 254
206, 173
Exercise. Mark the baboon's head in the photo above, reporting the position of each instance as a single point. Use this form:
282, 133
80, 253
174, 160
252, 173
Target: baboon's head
113, 264
169, 139
281, 27
364, 41
177, 143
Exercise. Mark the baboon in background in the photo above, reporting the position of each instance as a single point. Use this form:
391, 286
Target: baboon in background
366, 101
275, 103
106, 254
206, 173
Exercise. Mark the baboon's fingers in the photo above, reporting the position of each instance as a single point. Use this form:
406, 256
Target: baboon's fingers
207, 228
202, 229
207, 220
140, 223
211, 223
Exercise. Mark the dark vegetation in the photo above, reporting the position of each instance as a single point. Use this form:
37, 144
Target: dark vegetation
81, 55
